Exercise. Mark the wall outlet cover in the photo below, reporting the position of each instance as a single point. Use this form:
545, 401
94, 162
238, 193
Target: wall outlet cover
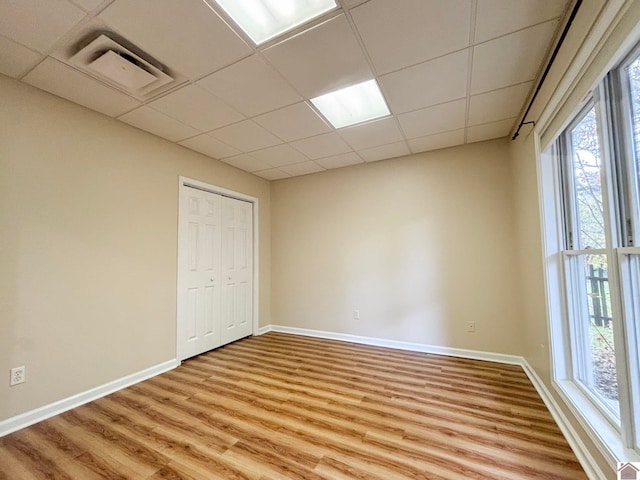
17, 376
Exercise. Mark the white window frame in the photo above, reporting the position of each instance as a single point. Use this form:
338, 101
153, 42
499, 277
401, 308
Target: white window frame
619, 437
599, 429
572, 250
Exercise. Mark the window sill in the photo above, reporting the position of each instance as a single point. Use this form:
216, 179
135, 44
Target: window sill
603, 434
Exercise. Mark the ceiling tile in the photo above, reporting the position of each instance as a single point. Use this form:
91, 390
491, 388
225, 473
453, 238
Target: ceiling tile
280, 155
57, 78
247, 162
339, 161
89, 5
302, 168
246, 136
210, 146
383, 152
158, 123
187, 36
429, 83
372, 134
499, 17
491, 130
399, 34
16, 59
515, 58
38, 24
294, 122
272, 174
322, 59
251, 86
439, 140
431, 120
351, 3
325, 145
197, 108
498, 104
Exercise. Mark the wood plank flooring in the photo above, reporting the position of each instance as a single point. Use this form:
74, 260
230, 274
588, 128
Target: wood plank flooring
288, 407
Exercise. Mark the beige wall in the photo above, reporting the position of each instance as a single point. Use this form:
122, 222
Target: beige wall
420, 245
529, 254
88, 234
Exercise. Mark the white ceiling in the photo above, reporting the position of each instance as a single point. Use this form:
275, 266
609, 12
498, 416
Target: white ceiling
452, 72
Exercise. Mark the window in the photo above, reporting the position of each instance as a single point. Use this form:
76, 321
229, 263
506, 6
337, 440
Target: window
586, 264
596, 349
586, 179
629, 257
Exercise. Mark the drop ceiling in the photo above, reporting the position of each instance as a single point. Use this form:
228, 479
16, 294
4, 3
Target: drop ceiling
451, 71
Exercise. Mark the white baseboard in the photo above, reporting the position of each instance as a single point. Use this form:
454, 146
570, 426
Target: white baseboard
414, 347
263, 330
586, 460
34, 416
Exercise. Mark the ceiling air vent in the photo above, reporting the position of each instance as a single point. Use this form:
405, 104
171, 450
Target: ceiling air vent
110, 62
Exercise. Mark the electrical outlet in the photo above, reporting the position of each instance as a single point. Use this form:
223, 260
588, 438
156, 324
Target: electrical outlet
471, 326
17, 376
356, 314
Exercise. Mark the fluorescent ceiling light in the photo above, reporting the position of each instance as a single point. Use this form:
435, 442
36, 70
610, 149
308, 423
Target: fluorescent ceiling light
354, 104
265, 19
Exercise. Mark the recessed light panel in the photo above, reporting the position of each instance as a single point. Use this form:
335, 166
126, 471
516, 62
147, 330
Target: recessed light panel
351, 105
265, 19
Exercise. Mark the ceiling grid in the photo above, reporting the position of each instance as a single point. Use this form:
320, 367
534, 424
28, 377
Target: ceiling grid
450, 71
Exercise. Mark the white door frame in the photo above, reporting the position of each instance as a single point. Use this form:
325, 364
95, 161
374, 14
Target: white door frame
189, 182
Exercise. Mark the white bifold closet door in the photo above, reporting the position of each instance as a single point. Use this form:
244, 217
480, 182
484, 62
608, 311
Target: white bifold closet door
237, 269
216, 272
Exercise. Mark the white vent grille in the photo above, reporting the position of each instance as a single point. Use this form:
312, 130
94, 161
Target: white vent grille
110, 62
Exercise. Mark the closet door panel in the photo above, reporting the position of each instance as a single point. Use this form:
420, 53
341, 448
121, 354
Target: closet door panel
237, 268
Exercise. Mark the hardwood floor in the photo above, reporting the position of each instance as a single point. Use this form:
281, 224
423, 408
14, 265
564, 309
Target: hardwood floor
288, 407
